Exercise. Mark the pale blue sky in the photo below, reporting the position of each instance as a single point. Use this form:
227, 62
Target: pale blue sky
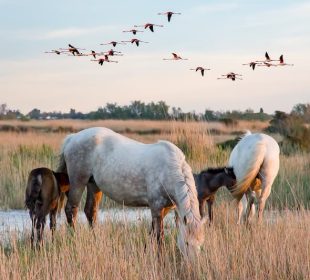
218, 34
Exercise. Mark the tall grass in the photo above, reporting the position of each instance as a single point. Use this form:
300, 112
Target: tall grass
278, 249
19, 153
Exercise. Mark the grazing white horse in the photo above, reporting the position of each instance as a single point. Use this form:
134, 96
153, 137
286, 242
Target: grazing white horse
255, 160
134, 174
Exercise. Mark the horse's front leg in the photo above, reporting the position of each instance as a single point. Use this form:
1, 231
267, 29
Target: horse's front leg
210, 208
202, 207
158, 225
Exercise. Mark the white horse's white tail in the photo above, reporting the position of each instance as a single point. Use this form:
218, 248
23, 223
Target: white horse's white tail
62, 167
250, 174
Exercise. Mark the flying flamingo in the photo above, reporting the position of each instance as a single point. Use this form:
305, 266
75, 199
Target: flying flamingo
105, 59
149, 25
72, 49
55, 51
136, 41
169, 14
93, 53
133, 31
267, 58
113, 43
282, 63
232, 76
252, 64
112, 52
175, 57
201, 69
267, 64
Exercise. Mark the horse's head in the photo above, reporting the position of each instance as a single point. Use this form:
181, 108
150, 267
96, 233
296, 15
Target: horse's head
190, 237
230, 177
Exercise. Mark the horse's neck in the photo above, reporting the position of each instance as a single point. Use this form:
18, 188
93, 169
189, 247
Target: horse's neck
207, 187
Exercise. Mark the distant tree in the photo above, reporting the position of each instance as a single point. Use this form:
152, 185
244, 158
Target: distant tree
3, 109
210, 115
34, 114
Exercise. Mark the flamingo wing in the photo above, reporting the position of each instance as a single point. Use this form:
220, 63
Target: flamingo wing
281, 59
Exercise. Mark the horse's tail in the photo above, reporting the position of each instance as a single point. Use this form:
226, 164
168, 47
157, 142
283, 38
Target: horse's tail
62, 167
33, 190
251, 172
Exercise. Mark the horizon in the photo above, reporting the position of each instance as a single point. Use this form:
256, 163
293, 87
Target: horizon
221, 35
169, 109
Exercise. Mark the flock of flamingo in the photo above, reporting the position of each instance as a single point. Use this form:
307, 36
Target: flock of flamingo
73, 51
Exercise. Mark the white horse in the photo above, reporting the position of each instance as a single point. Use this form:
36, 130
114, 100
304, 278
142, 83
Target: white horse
255, 160
134, 174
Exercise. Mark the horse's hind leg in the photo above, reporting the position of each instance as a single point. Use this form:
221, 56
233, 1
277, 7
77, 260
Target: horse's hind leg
250, 207
74, 198
53, 213
241, 205
262, 201
94, 195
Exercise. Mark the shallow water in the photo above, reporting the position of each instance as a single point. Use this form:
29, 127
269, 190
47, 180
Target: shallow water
18, 221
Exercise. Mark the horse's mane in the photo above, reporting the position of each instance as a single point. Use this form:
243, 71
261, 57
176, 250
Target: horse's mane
188, 205
214, 170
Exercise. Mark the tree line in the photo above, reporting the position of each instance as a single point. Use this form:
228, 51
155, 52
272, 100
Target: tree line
151, 111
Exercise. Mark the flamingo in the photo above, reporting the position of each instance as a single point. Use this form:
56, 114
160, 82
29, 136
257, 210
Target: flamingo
72, 49
112, 52
232, 76
267, 58
113, 43
55, 51
105, 59
133, 31
201, 69
93, 53
252, 64
267, 64
282, 63
169, 14
149, 25
136, 41
175, 57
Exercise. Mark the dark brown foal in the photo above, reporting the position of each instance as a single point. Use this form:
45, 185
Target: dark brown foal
42, 195
208, 182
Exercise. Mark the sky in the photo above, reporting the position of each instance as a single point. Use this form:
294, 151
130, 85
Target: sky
221, 35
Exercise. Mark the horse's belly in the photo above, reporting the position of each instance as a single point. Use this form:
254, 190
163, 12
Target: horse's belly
129, 193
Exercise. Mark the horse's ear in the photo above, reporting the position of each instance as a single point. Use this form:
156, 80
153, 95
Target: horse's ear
226, 170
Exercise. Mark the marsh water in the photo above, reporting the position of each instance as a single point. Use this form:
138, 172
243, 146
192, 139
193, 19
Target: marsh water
17, 221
